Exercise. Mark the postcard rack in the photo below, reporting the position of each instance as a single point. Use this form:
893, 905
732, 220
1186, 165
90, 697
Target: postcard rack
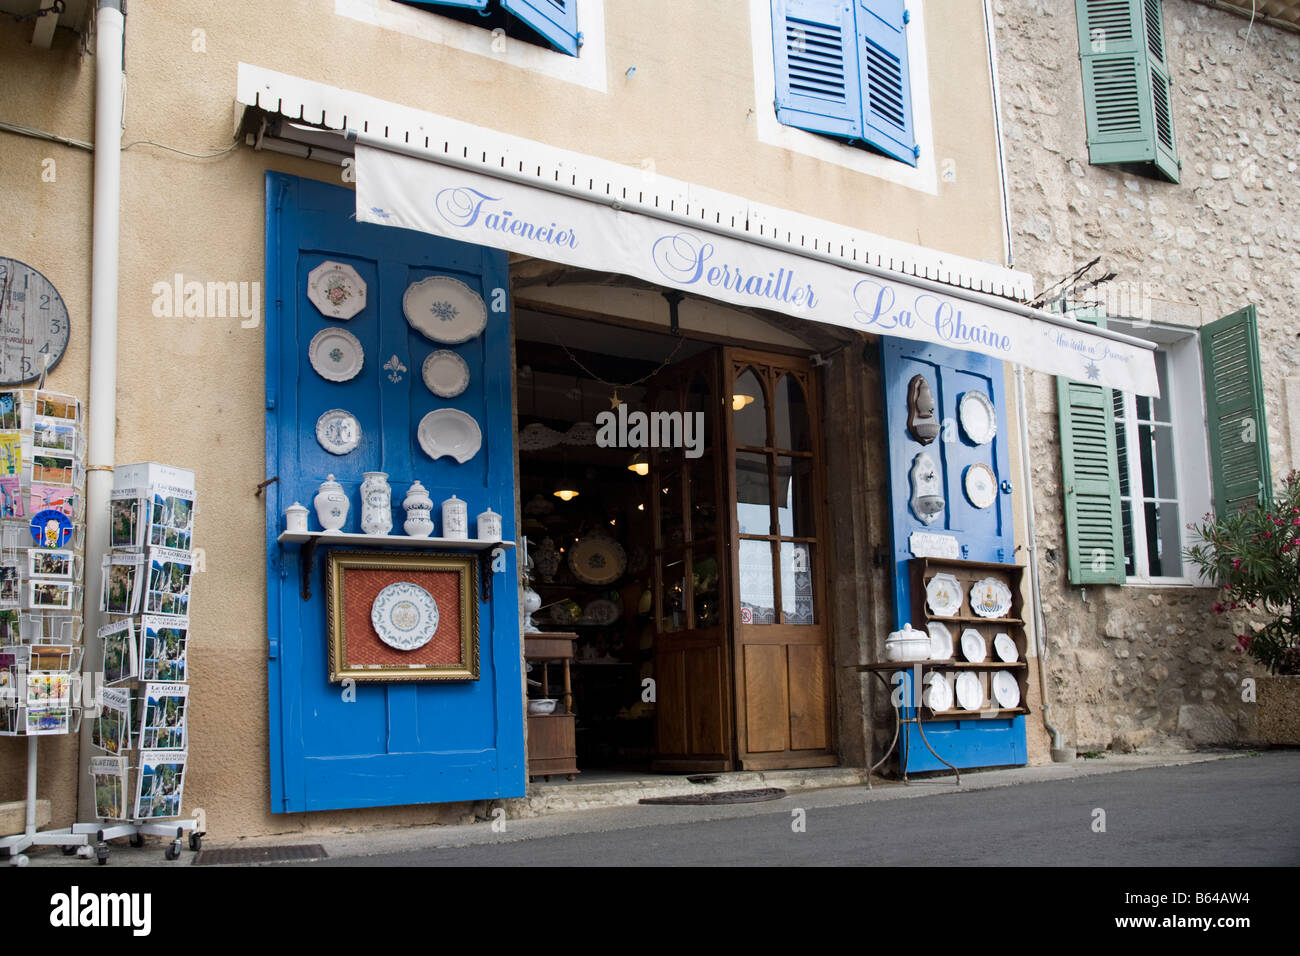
42, 535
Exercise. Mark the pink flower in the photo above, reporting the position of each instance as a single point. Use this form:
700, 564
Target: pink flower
1218, 609
1236, 562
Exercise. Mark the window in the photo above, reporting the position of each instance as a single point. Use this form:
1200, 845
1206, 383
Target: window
1126, 85
554, 22
1137, 470
842, 70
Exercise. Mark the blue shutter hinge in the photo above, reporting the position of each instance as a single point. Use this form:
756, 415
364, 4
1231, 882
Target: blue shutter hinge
965, 550
907, 16
581, 38
916, 152
1002, 554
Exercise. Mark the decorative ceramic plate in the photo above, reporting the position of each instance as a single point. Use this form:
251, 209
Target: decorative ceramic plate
444, 309
336, 290
445, 373
943, 593
970, 695
1006, 689
565, 612
597, 560
940, 641
978, 419
405, 616
449, 431
601, 611
1005, 648
973, 646
338, 431
981, 485
938, 692
336, 354
990, 597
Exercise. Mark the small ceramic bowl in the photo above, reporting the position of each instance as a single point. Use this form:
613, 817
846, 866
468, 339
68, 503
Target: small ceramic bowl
542, 705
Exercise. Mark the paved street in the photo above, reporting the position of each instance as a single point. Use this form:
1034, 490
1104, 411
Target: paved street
1234, 812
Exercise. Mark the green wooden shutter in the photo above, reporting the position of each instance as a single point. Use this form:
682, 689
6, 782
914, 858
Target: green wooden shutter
1234, 396
1126, 85
1094, 531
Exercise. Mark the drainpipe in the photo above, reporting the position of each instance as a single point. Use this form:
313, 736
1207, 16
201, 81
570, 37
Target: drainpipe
110, 40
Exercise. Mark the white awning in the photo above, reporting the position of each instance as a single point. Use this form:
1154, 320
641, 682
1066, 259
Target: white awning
405, 186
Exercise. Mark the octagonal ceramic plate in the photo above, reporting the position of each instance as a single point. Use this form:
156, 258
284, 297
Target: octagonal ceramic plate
405, 616
336, 290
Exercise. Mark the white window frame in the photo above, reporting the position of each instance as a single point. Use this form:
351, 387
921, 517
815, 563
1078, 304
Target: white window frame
1192, 475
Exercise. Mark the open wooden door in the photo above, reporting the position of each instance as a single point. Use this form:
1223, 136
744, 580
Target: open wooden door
784, 692
691, 611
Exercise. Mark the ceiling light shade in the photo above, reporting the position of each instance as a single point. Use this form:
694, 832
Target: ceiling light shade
565, 494
639, 465
740, 401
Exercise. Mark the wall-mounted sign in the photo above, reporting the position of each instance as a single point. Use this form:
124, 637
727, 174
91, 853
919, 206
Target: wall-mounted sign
34, 323
928, 544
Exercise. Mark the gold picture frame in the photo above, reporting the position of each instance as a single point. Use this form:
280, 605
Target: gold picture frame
353, 578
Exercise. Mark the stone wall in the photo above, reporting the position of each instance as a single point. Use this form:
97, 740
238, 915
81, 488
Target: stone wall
1155, 666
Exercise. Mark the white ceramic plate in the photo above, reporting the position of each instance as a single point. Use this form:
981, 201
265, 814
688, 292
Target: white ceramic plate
978, 419
938, 692
336, 354
981, 485
601, 611
940, 641
973, 646
445, 373
943, 593
990, 597
336, 290
449, 431
443, 309
338, 431
1005, 648
1006, 689
597, 560
405, 616
970, 695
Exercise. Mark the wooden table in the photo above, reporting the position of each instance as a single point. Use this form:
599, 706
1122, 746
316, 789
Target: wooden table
552, 738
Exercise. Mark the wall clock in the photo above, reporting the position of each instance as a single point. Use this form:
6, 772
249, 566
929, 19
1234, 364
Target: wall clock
34, 323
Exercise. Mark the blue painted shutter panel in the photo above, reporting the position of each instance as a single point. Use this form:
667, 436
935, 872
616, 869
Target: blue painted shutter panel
555, 20
471, 4
883, 74
814, 52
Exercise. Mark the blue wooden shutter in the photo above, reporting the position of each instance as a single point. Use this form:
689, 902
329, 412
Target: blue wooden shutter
1234, 392
882, 72
555, 20
471, 4
815, 55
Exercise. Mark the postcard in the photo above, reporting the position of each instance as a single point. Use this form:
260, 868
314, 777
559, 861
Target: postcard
162, 724
58, 497
120, 661
163, 647
49, 595
169, 581
171, 520
9, 618
109, 775
51, 468
112, 730
11, 410
11, 498
44, 689
125, 528
48, 720
123, 576
54, 435
54, 657
10, 586
54, 405
160, 784
11, 453
48, 564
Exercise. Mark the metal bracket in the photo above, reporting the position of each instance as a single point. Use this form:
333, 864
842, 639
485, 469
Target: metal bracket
262, 487
674, 298
307, 559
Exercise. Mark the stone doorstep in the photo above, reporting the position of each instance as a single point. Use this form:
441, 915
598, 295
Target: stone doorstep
546, 797
13, 816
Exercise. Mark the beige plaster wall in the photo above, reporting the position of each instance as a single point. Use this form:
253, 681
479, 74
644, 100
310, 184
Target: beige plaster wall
191, 390
1133, 665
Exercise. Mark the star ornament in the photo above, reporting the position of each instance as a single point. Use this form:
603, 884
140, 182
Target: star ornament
614, 400
1093, 370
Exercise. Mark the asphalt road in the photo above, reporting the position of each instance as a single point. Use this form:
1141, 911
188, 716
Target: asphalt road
1240, 812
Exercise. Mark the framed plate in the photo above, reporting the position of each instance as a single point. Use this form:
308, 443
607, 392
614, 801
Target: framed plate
970, 695
1006, 689
449, 431
1005, 648
940, 641
981, 485
944, 594
336, 355
978, 418
990, 597
445, 373
973, 646
336, 290
938, 692
597, 560
443, 309
338, 431
405, 616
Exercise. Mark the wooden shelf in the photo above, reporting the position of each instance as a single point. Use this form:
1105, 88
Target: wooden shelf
389, 540
975, 714
965, 619
933, 665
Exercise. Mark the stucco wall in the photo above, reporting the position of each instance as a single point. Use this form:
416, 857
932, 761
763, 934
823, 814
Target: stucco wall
1147, 665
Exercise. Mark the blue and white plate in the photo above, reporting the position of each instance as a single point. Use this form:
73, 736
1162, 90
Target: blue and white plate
405, 616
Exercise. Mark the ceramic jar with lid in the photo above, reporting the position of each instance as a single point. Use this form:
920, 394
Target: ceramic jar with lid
488, 525
907, 645
295, 518
455, 519
376, 503
419, 512
331, 505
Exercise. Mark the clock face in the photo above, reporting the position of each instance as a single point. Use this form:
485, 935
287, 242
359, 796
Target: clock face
34, 324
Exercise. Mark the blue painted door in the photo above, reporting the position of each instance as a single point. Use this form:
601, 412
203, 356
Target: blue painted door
983, 534
395, 743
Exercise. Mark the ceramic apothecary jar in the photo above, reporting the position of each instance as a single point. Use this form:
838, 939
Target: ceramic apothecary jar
455, 519
419, 512
331, 506
376, 503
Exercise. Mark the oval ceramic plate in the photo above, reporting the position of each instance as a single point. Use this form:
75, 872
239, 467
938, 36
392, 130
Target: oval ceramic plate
443, 309
405, 616
445, 373
938, 692
990, 597
336, 354
973, 646
449, 431
943, 593
978, 419
601, 611
1005, 648
981, 485
336, 290
1006, 689
940, 641
970, 695
597, 560
338, 431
